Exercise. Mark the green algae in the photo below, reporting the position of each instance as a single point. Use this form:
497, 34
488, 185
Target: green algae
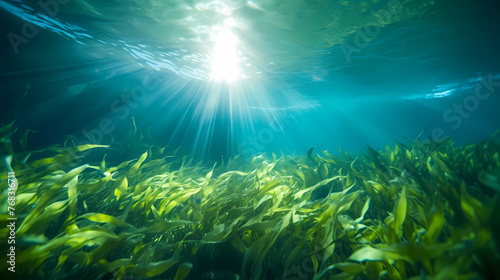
408, 211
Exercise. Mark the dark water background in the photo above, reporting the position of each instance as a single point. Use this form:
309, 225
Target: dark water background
328, 74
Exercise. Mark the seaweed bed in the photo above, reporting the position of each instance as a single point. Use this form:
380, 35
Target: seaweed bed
410, 211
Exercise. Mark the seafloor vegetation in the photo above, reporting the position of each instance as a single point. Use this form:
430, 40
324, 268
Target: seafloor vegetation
410, 211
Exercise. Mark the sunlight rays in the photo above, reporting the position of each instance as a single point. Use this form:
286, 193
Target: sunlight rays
225, 59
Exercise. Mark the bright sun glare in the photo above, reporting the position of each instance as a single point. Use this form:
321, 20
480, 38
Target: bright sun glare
225, 59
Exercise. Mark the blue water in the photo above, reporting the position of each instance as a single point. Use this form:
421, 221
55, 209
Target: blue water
325, 74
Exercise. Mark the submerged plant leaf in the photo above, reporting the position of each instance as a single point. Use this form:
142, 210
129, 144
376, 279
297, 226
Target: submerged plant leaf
183, 271
152, 269
103, 218
435, 224
400, 213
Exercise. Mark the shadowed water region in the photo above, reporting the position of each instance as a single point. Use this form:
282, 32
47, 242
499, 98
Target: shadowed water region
249, 139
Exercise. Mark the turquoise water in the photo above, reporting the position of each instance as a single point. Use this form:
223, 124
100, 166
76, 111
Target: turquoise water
308, 73
302, 139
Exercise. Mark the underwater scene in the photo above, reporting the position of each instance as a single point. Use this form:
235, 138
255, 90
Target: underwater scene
241, 140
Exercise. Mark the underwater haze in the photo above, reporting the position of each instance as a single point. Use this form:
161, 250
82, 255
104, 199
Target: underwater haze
266, 139
306, 73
